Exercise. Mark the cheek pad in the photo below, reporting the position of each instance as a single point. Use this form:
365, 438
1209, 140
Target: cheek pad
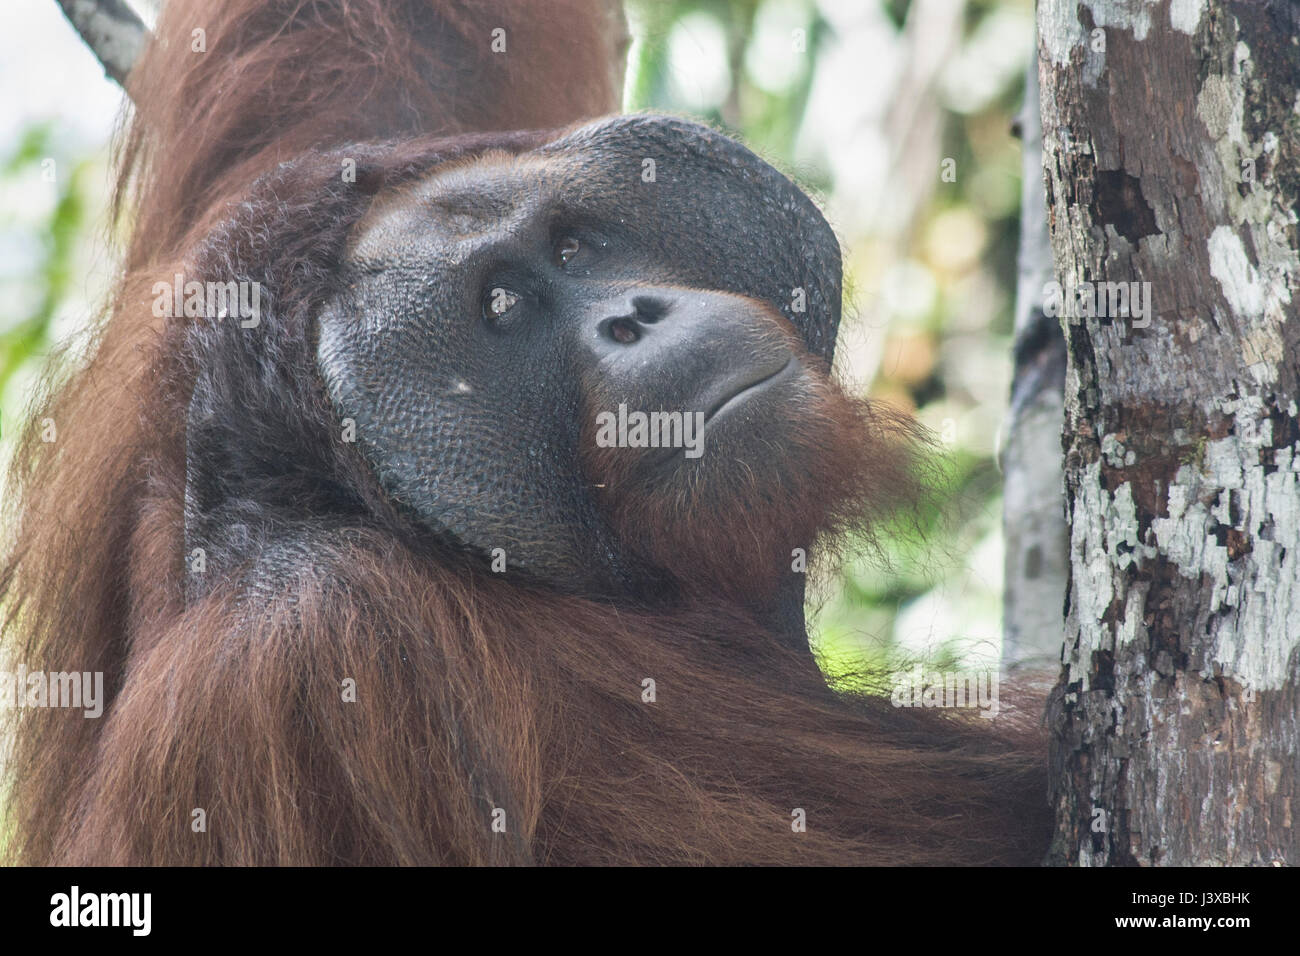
472, 441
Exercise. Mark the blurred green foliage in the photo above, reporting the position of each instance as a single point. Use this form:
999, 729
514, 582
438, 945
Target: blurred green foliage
766, 120
45, 239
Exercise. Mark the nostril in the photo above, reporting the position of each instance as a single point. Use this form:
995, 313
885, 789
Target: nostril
632, 326
649, 309
622, 331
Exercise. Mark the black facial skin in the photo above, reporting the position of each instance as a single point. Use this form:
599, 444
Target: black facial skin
487, 310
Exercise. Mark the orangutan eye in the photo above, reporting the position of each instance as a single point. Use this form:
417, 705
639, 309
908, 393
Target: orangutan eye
566, 249
499, 301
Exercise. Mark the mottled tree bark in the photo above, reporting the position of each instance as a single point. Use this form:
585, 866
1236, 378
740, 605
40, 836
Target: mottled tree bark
1172, 147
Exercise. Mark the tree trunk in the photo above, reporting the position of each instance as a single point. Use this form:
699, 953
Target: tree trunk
1172, 147
1033, 512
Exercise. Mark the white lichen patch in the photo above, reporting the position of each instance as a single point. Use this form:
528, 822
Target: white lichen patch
1123, 527
1257, 595
1241, 190
1221, 106
1240, 281
1185, 15
1183, 538
1260, 635
1131, 15
1261, 300
1060, 33
1091, 573
1102, 523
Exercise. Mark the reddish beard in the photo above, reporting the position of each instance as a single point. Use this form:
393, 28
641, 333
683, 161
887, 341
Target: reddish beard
733, 523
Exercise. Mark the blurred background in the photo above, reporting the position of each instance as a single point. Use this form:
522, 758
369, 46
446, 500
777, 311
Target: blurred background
896, 114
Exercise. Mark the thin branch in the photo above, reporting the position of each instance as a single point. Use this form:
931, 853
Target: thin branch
112, 31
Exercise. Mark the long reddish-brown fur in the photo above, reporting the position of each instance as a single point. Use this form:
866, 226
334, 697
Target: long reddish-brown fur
475, 692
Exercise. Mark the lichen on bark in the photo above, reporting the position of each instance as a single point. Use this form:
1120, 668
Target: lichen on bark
1172, 153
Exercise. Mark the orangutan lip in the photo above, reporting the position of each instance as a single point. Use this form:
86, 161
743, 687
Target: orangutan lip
669, 457
745, 391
